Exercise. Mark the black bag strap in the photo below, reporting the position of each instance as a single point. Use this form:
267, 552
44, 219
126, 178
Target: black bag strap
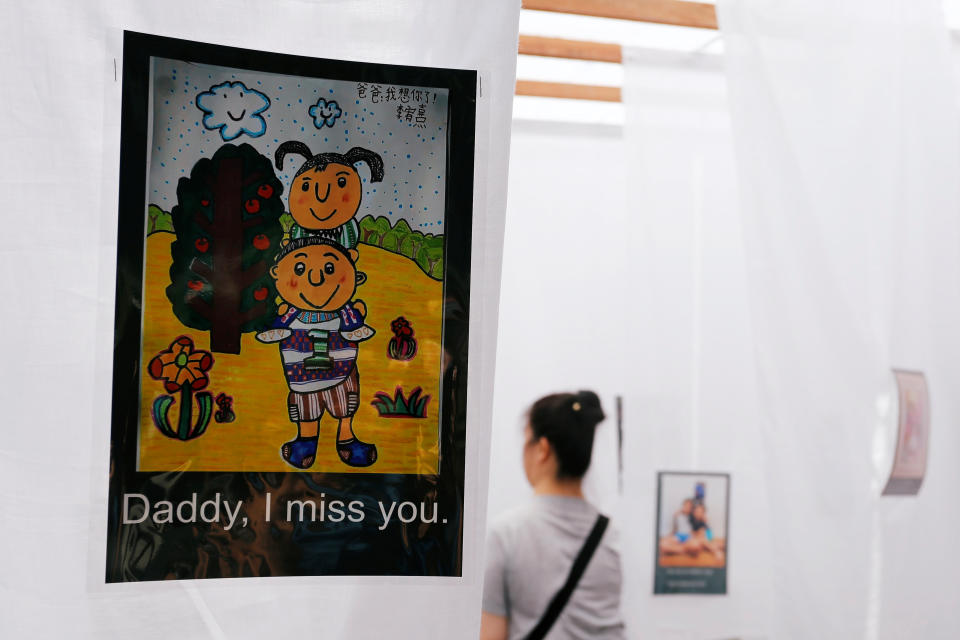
560, 599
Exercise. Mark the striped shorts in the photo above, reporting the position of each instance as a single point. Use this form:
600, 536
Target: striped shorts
341, 401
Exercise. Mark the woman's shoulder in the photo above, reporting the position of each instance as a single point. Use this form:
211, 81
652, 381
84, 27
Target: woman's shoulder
511, 520
545, 515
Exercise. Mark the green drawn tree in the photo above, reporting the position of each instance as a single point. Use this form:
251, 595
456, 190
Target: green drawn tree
373, 229
158, 220
227, 223
430, 256
424, 249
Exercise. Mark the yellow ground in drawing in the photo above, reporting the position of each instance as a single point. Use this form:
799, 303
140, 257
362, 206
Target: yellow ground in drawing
395, 287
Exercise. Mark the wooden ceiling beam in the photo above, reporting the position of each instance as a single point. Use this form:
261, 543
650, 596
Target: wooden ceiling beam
676, 12
672, 12
569, 91
572, 49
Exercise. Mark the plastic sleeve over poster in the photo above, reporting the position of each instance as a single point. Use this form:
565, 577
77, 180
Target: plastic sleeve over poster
293, 290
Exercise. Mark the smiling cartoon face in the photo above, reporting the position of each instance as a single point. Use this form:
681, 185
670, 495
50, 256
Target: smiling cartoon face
316, 277
327, 198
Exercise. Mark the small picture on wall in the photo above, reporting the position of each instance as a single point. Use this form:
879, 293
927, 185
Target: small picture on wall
913, 434
692, 532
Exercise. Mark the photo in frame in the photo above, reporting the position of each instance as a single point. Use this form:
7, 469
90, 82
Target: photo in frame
693, 532
290, 363
913, 434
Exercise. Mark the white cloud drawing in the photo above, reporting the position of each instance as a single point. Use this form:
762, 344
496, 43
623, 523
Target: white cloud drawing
234, 109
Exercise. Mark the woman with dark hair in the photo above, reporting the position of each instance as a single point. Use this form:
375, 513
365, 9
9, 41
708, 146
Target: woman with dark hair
551, 568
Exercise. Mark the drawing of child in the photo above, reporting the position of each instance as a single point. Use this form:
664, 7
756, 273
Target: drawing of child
326, 192
318, 338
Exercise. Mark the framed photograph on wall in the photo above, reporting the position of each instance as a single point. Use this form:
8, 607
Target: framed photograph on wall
293, 289
693, 532
913, 434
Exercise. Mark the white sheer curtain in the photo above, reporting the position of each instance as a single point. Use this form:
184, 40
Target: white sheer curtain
845, 128
690, 396
623, 272
59, 117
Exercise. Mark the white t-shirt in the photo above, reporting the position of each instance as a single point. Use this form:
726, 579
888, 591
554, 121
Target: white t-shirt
529, 554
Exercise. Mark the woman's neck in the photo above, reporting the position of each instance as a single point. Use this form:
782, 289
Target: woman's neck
569, 487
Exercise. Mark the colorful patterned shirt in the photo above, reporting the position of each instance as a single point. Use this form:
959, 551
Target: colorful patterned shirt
299, 346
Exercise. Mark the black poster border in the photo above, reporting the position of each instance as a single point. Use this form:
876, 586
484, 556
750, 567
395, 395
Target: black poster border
715, 577
138, 552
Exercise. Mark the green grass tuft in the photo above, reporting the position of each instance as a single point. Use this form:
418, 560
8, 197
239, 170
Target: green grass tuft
414, 406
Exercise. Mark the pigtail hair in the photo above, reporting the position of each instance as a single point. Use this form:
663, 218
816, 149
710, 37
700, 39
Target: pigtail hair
291, 146
373, 160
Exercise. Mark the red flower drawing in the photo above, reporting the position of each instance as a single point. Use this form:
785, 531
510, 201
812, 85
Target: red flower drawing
401, 327
181, 365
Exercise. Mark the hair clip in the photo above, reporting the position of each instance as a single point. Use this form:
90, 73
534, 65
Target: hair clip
575, 406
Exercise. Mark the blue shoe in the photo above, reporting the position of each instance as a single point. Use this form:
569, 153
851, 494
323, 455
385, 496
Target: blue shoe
301, 452
355, 453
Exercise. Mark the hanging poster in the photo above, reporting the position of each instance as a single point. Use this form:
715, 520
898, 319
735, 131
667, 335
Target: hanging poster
913, 434
692, 536
294, 239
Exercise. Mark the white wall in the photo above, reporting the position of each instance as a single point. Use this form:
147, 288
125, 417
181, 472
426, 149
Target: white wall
599, 293
561, 295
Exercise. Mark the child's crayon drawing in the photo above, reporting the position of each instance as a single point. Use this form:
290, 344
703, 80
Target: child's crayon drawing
294, 227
